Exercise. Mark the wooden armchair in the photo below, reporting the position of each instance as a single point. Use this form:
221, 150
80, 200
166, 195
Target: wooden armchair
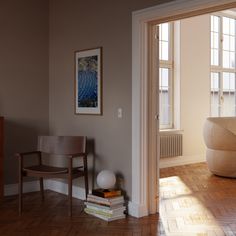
67, 146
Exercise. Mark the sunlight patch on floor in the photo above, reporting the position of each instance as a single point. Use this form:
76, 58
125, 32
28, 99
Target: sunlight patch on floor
182, 213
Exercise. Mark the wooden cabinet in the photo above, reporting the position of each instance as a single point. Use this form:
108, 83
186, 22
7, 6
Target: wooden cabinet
1, 156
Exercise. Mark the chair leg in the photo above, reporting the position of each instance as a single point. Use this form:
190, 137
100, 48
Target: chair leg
20, 196
70, 196
86, 176
20, 186
86, 184
41, 188
70, 188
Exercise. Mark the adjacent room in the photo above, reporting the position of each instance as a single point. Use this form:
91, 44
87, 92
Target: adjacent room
197, 81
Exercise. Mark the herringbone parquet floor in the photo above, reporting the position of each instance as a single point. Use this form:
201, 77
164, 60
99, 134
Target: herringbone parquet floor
195, 202
50, 219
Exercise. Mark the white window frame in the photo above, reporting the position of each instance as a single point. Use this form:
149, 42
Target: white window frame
220, 69
169, 64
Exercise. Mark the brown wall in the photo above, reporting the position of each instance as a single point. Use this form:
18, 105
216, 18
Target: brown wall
76, 25
23, 76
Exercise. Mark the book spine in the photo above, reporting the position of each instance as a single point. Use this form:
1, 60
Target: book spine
97, 205
98, 202
102, 206
122, 216
112, 212
99, 212
98, 198
110, 199
114, 193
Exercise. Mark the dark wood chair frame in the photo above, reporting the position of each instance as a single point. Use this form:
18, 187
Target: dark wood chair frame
42, 171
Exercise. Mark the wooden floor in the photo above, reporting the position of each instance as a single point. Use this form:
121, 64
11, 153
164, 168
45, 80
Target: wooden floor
50, 219
195, 202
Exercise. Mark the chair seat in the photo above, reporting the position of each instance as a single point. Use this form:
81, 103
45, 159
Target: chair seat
46, 169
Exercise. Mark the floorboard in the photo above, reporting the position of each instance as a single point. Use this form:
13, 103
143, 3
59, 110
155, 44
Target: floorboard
195, 202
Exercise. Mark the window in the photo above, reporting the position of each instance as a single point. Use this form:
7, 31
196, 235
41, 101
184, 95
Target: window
166, 75
223, 90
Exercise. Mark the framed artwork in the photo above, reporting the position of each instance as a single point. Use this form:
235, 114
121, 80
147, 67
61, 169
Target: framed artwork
88, 81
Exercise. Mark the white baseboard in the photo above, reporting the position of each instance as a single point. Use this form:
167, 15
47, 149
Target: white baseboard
60, 187
12, 189
54, 185
181, 160
137, 210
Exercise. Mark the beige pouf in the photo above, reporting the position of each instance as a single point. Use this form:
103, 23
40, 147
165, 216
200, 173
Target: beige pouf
220, 138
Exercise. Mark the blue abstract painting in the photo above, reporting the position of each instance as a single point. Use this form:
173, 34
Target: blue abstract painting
87, 81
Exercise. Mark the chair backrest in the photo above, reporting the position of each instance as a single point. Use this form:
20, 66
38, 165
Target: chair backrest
62, 145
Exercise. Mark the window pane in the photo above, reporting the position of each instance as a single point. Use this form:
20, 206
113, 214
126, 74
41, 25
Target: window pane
232, 60
165, 75
212, 62
215, 23
215, 40
160, 50
212, 23
215, 57
212, 41
228, 108
232, 27
226, 59
232, 82
226, 25
214, 82
164, 79
232, 43
226, 85
215, 94
226, 43
165, 97
165, 32
164, 41
165, 51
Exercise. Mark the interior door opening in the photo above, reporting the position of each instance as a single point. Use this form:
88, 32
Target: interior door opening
196, 80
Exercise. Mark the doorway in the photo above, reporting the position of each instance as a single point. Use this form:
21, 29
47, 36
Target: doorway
185, 190
145, 117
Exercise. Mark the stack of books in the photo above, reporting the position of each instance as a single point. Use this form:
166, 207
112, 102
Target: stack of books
106, 205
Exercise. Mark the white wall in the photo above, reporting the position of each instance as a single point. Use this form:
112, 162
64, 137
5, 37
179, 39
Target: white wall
195, 82
194, 87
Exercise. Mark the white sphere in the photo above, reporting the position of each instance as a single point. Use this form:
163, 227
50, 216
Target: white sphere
106, 179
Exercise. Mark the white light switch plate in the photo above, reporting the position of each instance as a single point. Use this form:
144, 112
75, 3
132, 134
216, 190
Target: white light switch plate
119, 113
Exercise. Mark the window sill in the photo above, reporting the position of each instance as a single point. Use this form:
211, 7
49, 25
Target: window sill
171, 131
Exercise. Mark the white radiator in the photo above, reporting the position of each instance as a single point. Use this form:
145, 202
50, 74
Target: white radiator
171, 145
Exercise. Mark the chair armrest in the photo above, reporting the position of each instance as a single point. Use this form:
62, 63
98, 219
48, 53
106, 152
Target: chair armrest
82, 154
22, 154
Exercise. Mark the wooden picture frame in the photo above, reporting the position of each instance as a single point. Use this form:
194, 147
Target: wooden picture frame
88, 81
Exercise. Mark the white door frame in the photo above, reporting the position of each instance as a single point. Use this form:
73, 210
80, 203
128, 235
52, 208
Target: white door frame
142, 177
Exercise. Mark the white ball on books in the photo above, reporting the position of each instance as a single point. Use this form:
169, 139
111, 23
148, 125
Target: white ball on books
106, 179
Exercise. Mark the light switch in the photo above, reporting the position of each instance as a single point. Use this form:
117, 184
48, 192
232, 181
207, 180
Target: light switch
119, 112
